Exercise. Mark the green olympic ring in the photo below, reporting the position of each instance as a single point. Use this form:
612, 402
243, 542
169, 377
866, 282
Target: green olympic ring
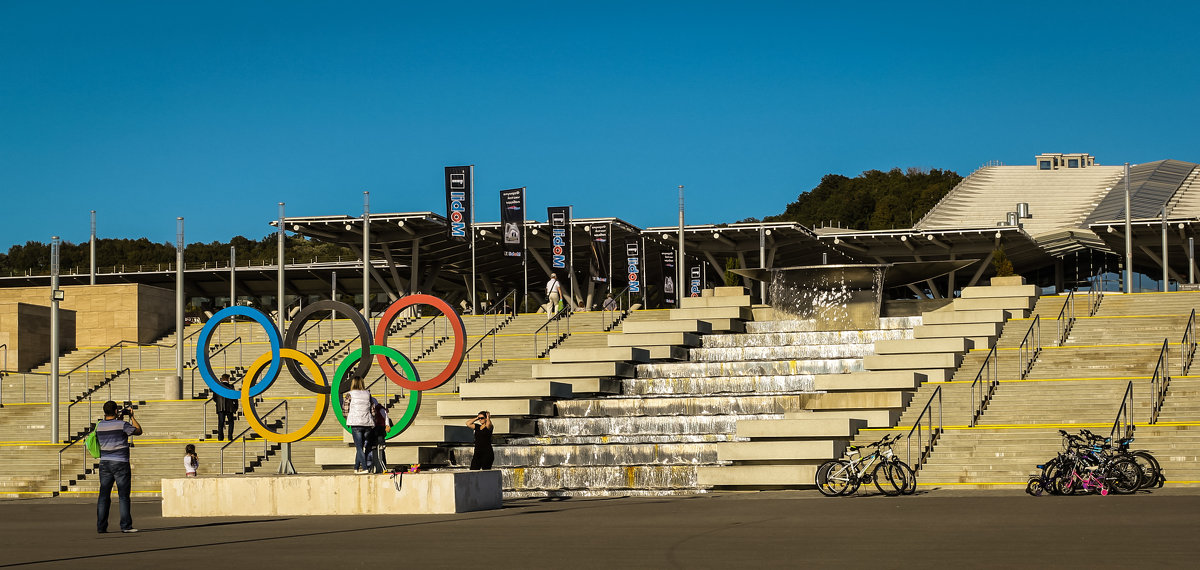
414, 396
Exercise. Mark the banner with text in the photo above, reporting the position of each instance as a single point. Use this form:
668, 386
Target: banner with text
512, 221
633, 263
668, 276
458, 202
560, 243
600, 256
696, 281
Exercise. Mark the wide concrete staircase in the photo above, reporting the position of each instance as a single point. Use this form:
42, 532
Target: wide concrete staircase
1079, 384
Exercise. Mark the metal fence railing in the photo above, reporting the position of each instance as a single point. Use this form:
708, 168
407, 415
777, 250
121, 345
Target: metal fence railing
1159, 383
1031, 346
985, 385
927, 433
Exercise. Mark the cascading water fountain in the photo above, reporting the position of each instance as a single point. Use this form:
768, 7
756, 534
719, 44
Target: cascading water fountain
667, 423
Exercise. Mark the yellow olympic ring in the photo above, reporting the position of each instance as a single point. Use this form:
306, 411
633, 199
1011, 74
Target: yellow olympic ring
318, 413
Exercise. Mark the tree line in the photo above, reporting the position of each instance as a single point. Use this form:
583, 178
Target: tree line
873, 200
34, 256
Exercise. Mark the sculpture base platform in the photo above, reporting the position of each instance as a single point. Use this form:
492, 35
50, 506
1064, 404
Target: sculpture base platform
298, 495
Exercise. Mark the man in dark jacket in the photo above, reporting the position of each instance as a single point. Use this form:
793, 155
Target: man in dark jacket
226, 410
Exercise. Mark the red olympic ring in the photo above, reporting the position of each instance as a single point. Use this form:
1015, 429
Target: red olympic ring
456, 358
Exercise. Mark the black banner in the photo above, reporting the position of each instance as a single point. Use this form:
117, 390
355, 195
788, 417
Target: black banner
600, 259
512, 221
633, 264
458, 202
560, 243
668, 276
696, 283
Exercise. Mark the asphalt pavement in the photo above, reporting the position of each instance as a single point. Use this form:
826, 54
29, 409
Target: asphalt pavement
773, 529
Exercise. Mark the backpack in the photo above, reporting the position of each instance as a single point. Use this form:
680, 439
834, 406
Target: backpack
92, 443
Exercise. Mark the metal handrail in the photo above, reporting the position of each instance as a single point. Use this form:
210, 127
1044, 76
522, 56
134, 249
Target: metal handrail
1031, 346
25, 380
66, 447
108, 382
1095, 296
1066, 318
1187, 345
238, 340
610, 317
983, 388
924, 447
562, 315
3, 373
1159, 383
482, 364
1123, 423
242, 436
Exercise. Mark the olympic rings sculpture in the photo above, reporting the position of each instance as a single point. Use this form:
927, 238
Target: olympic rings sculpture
309, 374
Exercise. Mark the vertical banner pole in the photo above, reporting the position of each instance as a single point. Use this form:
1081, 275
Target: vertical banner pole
611, 244
366, 255
279, 272
679, 269
92, 280
762, 263
285, 451
1191, 261
1128, 237
178, 387
232, 278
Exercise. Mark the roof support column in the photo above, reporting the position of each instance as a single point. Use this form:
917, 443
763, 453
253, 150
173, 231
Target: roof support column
983, 265
1165, 281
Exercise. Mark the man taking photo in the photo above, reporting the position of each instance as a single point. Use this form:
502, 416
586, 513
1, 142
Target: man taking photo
112, 433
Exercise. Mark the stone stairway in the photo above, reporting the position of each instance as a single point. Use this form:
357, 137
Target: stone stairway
1077, 385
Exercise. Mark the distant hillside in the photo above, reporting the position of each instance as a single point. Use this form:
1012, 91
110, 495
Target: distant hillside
873, 200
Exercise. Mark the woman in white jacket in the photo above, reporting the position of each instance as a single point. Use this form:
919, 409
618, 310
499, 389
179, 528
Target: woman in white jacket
358, 417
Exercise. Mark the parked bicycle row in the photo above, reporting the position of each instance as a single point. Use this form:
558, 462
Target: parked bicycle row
1091, 463
840, 477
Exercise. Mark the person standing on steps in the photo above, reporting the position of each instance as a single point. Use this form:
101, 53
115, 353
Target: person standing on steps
358, 417
554, 293
112, 433
483, 456
226, 410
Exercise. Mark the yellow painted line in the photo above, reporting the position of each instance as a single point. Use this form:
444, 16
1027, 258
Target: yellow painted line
1027, 380
920, 484
1036, 426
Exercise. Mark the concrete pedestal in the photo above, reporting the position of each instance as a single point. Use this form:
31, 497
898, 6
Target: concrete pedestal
298, 495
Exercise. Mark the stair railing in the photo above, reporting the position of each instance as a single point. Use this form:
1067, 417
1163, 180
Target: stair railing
428, 345
62, 450
477, 359
246, 433
543, 337
107, 382
1123, 425
984, 386
927, 433
1159, 383
225, 365
25, 380
1066, 318
1031, 346
1187, 345
3, 373
1095, 294
612, 314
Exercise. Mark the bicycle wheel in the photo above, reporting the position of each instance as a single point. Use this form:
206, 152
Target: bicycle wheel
1034, 486
833, 477
1123, 476
910, 477
888, 479
1150, 469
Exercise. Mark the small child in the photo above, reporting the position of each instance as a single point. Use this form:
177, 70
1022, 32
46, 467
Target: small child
190, 461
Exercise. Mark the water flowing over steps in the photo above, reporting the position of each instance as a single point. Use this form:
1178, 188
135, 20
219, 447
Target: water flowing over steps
1077, 385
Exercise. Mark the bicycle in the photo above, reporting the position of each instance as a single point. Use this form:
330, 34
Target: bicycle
891, 476
1085, 467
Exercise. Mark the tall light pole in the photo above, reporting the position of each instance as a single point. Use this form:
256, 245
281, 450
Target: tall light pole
679, 263
177, 389
279, 275
92, 279
366, 255
55, 297
1128, 237
232, 277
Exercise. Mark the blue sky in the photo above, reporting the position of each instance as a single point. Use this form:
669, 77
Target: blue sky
216, 111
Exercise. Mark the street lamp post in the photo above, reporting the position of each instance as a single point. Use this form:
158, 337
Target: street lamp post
55, 296
679, 263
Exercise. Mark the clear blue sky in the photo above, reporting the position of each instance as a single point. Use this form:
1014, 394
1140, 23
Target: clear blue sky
216, 111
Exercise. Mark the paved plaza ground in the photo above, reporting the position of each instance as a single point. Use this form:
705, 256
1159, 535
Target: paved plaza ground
731, 530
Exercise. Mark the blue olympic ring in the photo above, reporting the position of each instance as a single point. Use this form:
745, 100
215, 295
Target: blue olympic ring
205, 366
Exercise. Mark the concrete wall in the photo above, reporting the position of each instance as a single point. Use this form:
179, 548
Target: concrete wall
25, 330
106, 314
